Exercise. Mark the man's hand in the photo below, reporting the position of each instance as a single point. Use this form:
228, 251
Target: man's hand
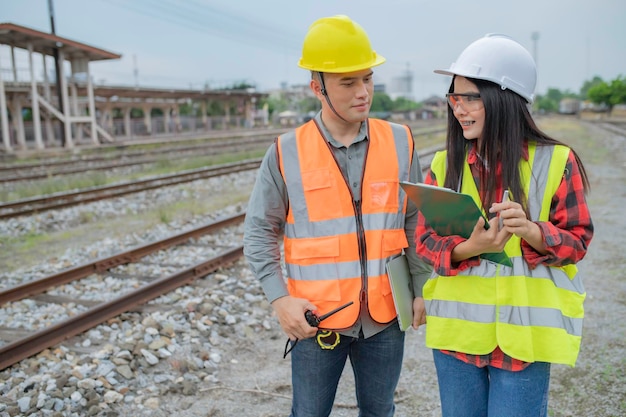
290, 312
419, 312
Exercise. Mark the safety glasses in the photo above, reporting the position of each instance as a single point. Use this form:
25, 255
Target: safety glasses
468, 101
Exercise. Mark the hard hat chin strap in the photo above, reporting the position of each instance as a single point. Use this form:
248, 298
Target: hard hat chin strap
325, 94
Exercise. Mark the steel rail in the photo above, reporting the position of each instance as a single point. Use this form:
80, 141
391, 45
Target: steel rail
78, 166
32, 344
35, 343
61, 200
225, 142
39, 286
47, 169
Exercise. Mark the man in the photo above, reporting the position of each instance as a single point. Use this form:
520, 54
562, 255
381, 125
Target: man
331, 187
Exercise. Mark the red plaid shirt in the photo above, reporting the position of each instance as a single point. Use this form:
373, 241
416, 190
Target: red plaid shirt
567, 235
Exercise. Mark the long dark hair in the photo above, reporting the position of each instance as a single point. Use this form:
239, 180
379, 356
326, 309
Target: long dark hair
508, 124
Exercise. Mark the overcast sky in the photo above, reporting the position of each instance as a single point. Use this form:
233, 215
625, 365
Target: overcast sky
187, 43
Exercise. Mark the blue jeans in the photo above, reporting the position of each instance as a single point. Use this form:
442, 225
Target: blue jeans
469, 391
376, 362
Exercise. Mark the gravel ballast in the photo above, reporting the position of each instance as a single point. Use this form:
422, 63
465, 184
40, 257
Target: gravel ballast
215, 349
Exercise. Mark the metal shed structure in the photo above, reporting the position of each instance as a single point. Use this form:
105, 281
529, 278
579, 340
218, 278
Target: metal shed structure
79, 55
85, 108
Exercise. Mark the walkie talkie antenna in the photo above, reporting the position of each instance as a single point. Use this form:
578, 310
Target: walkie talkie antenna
331, 312
314, 320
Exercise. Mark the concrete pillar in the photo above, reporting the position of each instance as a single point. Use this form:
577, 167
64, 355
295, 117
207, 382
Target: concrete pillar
167, 119
78, 127
69, 142
4, 120
14, 67
205, 118
92, 108
18, 122
248, 114
34, 99
109, 122
47, 121
147, 118
177, 123
266, 115
105, 113
127, 126
226, 123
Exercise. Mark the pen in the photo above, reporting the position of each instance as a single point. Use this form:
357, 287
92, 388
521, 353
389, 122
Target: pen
505, 197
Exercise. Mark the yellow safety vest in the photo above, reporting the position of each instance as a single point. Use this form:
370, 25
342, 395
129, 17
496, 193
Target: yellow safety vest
335, 248
533, 315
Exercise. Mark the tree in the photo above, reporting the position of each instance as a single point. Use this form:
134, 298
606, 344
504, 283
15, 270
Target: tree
275, 103
550, 101
188, 109
309, 104
546, 104
608, 94
404, 104
554, 94
381, 102
588, 84
243, 85
618, 86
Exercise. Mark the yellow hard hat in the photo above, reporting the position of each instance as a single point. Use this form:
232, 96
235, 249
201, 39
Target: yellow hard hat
337, 44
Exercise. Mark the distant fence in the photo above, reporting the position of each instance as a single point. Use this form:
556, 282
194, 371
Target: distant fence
138, 129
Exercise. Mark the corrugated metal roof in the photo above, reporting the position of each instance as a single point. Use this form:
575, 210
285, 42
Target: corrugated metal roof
45, 43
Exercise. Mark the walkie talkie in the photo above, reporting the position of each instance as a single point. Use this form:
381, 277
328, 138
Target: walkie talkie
314, 320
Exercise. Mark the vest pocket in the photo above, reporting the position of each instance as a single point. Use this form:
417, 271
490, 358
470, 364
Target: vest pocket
322, 198
393, 242
381, 195
316, 291
319, 247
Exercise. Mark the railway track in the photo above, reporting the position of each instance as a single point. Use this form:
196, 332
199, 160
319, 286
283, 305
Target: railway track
48, 169
618, 128
28, 343
109, 157
99, 312
57, 201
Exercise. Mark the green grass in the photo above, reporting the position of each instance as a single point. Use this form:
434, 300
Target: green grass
32, 248
92, 179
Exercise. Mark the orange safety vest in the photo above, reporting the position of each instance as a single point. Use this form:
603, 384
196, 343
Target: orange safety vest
336, 248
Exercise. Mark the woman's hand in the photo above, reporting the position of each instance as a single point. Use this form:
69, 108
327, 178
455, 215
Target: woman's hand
482, 241
515, 222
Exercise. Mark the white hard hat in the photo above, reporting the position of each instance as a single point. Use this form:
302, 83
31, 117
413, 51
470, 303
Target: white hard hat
499, 59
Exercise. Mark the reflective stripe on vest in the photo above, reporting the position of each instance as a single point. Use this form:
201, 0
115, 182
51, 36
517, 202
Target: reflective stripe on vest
333, 244
538, 313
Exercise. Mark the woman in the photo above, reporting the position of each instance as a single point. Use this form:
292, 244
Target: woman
495, 329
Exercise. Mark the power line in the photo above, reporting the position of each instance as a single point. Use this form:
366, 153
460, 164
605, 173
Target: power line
215, 22
208, 20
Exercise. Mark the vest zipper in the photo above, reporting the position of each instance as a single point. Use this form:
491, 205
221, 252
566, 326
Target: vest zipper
360, 232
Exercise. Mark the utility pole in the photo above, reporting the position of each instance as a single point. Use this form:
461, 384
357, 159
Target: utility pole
135, 71
535, 37
58, 70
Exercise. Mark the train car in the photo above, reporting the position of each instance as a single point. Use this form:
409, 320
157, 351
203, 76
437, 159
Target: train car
569, 106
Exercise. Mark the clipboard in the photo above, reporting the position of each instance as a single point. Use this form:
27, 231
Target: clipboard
400, 281
450, 213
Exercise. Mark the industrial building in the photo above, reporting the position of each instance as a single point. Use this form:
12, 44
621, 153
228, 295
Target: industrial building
70, 110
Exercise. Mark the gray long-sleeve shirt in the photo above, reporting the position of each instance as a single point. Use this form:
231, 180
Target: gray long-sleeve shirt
267, 211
